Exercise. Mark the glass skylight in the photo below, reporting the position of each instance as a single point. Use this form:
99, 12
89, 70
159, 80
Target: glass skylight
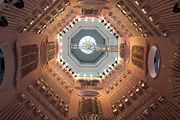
87, 44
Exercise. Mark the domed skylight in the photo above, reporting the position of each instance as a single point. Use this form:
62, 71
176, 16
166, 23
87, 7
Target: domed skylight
87, 44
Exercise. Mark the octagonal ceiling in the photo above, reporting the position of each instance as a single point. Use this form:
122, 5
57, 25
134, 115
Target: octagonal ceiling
90, 57
79, 54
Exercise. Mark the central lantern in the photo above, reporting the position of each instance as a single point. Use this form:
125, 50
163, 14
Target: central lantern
87, 44
83, 46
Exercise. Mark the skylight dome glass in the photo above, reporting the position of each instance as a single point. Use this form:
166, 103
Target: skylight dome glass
87, 44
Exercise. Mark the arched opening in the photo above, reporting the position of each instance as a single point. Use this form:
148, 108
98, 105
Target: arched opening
2, 66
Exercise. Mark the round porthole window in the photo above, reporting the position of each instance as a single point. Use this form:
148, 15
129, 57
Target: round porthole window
153, 61
87, 44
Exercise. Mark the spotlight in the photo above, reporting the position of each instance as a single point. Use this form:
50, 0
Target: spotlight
108, 27
102, 21
3, 21
100, 75
73, 23
76, 20
70, 25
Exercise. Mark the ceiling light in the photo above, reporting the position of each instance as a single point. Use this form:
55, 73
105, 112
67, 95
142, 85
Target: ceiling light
123, 11
70, 25
145, 35
109, 70
119, 6
25, 29
144, 11
39, 15
151, 18
68, 3
31, 22
137, 3
165, 34
129, 17
110, 66
135, 23
73, 23
44, 26
61, 37
79, 19
39, 31
140, 29
66, 29
46, 8
61, 10
56, 15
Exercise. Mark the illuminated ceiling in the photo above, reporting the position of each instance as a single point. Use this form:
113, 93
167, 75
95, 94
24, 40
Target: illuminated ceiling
95, 62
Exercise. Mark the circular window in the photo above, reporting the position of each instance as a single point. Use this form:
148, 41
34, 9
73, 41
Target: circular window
87, 44
153, 61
